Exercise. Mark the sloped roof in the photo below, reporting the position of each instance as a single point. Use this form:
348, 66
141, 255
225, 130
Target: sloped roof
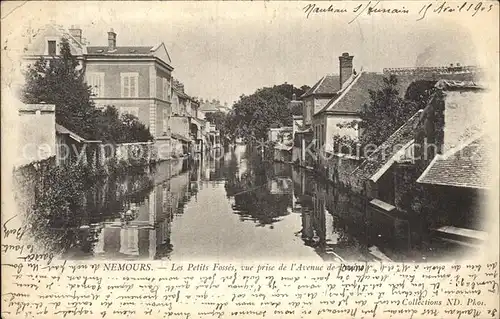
180, 93
465, 166
180, 137
329, 84
64, 131
388, 152
127, 50
208, 107
356, 93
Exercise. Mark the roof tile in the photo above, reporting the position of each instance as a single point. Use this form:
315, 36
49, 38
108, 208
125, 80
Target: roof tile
466, 166
356, 94
329, 84
386, 151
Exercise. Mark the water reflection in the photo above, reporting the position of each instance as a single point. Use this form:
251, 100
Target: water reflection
236, 206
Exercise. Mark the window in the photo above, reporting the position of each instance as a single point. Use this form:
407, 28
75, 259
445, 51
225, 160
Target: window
175, 105
52, 47
166, 117
182, 108
129, 82
316, 136
96, 82
130, 110
166, 89
322, 134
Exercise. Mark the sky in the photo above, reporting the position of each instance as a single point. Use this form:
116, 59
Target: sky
222, 50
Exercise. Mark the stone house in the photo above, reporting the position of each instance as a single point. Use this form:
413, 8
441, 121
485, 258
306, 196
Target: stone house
323, 91
135, 79
316, 98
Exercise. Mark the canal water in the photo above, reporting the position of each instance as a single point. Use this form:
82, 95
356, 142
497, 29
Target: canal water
236, 206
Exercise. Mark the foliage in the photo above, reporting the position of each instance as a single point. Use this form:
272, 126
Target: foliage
66, 200
420, 92
346, 145
60, 81
221, 122
58, 212
386, 112
111, 127
296, 109
254, 114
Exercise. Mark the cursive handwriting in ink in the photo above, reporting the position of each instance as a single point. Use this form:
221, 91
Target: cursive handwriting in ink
312, 8
444, 7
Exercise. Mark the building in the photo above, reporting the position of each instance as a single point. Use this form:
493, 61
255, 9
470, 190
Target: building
298, 150
135, 79
455, 72
74, 149
282, 143
207, 106
46, 42
316, 99
323, 91
178, 122
436, 165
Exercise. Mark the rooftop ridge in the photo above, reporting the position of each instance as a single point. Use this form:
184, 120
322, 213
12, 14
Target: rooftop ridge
436, 69
37, 107
343, 91
454, 84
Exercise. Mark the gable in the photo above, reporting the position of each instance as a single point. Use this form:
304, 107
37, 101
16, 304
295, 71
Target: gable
37, 43
357, 94
161, 53
327, 85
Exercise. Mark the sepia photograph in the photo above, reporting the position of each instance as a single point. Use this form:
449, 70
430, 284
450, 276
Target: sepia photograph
234, 142
329, 132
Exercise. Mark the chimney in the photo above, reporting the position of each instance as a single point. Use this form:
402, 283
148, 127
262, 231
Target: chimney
294, 97
180, 86
76, 33
111, 40
345, 67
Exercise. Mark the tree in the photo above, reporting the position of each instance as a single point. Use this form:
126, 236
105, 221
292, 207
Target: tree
61, 82
254, 114
127, 128
296, 109
385, 113
420, 92
134, 130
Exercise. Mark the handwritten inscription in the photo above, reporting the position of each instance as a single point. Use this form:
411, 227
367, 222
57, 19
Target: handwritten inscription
368, 8
199, 290
472, 8
373, 8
